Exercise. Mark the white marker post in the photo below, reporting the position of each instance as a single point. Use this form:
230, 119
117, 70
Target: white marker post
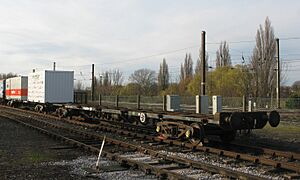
97, 164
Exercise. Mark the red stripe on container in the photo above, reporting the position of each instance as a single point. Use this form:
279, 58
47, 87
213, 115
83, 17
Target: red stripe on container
16, 92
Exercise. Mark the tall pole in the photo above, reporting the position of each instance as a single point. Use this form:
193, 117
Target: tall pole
278, 74
54, 64
93, 83
203, 63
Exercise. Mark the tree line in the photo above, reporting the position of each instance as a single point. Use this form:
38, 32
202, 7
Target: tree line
257, 78
8, 75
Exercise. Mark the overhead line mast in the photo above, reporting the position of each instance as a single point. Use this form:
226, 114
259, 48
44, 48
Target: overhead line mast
278, 74
203, 63
93, 83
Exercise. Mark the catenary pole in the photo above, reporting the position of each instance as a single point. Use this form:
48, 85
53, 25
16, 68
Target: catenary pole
278, 74
203, 63
93, 83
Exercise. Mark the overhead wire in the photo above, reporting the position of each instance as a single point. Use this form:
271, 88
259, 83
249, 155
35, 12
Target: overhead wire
289, 38
174, 51
87, 66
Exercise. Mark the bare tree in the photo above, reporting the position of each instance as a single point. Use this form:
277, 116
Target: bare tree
8, 75
186, 70
106, 79
223, 56
189, 67
109, 82
182, 74
263, 61
79, 85
296, 88
117, 77
163, 76
104, 84
198, 68
145, 78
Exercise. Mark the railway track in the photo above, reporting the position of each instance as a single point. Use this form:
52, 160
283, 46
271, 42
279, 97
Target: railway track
187, 147
258, 155
290, 156
148, 160
108, 125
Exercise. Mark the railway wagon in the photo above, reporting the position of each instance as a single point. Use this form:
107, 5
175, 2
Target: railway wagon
51, 86
52, 92
17, 88
178, 125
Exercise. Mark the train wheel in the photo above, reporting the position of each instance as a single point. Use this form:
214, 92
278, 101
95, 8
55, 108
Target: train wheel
198, 134
274, 118
228, 136
143, 118
39, 108
61, 112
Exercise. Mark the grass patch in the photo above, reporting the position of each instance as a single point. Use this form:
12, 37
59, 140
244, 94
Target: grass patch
36, 157
282, 131
285, 128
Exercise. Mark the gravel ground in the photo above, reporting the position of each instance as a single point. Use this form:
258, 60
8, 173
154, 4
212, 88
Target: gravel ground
27, 154
223, 162
85, 167
22, 151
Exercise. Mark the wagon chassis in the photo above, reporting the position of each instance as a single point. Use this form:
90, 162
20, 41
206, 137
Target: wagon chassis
169, 125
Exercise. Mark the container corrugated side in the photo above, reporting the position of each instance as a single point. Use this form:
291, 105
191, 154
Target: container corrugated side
59, 86
51, 86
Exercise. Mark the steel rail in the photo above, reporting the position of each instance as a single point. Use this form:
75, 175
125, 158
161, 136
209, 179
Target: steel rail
221, 152
188, 162
142, 166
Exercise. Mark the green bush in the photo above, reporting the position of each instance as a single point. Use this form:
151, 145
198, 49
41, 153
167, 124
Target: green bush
293, 102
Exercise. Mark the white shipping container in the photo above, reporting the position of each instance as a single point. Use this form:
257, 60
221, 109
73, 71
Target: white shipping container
17, 88
51, 86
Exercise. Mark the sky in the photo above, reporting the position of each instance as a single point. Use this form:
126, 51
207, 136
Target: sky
135, 34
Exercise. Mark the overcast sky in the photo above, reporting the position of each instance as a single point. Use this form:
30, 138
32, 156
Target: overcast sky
135, 34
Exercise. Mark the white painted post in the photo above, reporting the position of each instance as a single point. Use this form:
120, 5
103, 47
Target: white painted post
173, 103
250, 106
97, 164
217, 104
202, 104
